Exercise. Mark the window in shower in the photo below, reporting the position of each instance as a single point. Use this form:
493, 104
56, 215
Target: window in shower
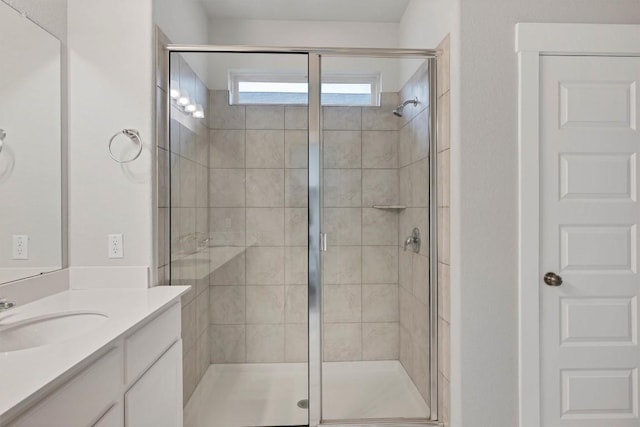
292, 89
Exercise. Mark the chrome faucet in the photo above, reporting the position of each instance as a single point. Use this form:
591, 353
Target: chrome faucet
413, 241
5, 305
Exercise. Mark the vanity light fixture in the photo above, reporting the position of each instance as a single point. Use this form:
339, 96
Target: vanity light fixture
174, 90
183, 100
199, 113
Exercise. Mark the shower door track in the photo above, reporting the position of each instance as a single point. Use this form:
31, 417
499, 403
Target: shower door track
314, 55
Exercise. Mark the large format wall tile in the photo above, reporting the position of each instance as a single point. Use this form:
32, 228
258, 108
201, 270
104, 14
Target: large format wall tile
342, 149
258, 197
296, 194
227, 188
296, 153
296, 343
265, 226
380, 303
380, 341
343, 226
342, 118
227, 149
379, 264
265, 266
265, 304
227, 226
379, 227
265, 117
265, 148
265, 343
342, 265
342, 303
227, 305
265, 187
343, 188
342, 342
228, 344
380, 149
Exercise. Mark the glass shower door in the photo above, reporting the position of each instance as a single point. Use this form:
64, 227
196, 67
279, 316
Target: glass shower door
375, 192
239, 234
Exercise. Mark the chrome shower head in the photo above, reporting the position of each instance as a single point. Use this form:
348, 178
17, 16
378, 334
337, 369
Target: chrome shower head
398, 112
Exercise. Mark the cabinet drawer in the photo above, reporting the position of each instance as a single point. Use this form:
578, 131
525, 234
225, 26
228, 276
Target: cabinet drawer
159, 388
83, 400
147, 344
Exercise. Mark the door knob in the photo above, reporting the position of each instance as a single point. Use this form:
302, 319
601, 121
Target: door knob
552, 279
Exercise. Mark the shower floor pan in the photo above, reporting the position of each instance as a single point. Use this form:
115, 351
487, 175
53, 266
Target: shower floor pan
268, 394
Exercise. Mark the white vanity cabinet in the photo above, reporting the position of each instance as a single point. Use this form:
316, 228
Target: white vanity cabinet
136, 382
155, 400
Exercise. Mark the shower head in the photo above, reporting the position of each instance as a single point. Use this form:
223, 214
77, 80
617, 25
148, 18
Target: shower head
398, 111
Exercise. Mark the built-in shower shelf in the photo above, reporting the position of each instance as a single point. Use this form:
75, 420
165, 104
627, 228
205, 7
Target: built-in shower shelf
390, 207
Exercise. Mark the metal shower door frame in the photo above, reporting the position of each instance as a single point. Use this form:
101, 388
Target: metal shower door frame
314, 60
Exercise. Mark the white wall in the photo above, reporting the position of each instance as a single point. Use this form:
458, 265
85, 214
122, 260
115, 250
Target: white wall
30, 161
184, 22
110, 88
49, 14
487, 197
423, 26
303, 33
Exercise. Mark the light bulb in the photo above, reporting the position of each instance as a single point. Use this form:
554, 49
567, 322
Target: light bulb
190, 108
199, 112
183, 100
174, 90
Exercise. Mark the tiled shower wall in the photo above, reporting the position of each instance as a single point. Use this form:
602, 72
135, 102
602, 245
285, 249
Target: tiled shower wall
258, 227
360, 289
182, 210
258, 217
414, 267
444, 233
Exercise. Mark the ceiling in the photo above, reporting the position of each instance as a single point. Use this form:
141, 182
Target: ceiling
309, 10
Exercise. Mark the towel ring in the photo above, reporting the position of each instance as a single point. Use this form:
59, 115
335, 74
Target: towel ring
132, 134
3, 135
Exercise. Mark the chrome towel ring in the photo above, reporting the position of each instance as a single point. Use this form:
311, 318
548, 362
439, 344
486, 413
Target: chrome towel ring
132, 134
3, 135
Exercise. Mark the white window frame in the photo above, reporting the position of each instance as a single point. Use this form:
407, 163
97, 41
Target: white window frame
237, 76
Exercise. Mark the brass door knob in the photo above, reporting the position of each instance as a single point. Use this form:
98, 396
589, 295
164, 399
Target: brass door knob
552, 279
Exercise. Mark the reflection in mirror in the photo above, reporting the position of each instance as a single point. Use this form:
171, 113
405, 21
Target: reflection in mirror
30, 150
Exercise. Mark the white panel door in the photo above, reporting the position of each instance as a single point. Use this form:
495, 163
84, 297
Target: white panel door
589, 215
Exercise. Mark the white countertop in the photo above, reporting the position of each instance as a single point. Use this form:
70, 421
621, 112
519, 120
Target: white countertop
26, 373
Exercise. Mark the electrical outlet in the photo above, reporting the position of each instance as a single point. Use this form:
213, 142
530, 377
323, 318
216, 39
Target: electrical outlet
115, 246
20, 246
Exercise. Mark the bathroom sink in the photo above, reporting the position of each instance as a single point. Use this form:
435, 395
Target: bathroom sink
46, 329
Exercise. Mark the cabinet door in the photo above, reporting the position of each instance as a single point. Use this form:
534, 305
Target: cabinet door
155, 400
113, 418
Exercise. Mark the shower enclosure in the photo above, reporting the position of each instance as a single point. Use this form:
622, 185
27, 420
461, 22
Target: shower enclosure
303, 212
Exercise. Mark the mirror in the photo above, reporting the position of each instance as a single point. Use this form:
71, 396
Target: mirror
30, 150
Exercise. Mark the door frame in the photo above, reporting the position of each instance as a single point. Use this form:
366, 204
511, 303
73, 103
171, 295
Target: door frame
314, 60
534, 40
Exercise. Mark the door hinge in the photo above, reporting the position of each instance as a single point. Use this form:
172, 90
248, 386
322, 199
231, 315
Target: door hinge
323, 242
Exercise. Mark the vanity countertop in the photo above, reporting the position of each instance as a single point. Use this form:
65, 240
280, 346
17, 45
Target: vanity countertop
27, 375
